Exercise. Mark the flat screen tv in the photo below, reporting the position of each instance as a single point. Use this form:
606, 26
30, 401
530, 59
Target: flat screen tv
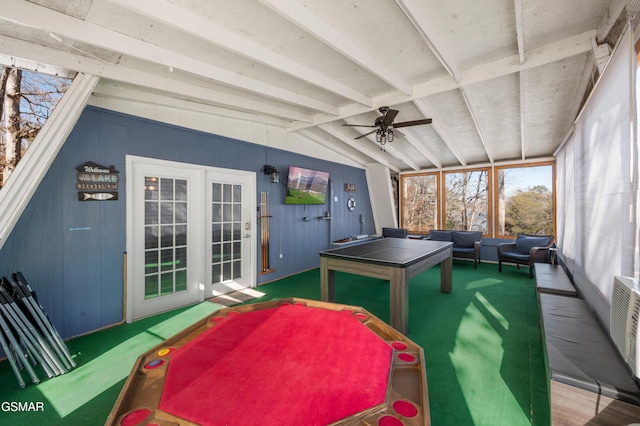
306, 186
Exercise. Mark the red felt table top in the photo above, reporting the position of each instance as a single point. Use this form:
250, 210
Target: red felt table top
291, 364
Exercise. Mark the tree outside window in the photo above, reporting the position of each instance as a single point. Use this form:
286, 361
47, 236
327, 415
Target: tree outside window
467, 200
419, 212
524, 200
27, 99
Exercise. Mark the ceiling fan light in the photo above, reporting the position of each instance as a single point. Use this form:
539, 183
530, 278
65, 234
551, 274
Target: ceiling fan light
389, 135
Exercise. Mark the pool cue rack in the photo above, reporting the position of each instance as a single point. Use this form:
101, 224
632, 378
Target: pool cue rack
264, 233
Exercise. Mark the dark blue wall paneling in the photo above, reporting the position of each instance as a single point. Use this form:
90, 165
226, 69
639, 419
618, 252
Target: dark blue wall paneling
72, 252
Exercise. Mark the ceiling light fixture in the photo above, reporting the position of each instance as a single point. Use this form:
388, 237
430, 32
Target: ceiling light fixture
190, 74
384, 136
272, 172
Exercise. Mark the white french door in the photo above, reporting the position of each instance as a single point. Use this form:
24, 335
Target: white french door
230, 236
188, 234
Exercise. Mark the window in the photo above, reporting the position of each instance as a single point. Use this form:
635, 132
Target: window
499, 201
524, 200
467, 200
419, 211
28, 101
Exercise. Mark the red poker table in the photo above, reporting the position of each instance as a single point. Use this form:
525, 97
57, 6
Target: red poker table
283, 362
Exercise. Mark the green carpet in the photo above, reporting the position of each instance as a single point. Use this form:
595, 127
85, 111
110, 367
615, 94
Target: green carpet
481, 341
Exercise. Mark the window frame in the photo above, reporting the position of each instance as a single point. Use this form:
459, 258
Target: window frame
438, 209
492, 201
443, 196
521, 166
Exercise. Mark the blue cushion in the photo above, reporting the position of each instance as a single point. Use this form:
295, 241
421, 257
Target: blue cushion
466, 238
465, 250
394, 232
515, 255
441, 235
524, 244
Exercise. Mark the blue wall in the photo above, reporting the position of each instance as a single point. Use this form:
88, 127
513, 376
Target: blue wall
71, 252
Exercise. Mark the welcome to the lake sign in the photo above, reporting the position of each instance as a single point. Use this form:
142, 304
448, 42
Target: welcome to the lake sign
97, 182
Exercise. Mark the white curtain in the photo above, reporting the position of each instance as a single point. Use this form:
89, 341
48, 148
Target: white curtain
597, 171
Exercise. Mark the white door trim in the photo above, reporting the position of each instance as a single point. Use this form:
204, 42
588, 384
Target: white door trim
200, 264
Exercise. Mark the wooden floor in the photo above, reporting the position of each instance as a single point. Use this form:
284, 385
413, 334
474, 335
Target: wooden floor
571, 406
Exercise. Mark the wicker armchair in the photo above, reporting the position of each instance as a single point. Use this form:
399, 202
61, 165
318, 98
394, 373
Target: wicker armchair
466, 244
525, 250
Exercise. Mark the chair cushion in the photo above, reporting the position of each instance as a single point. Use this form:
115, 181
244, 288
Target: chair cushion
394, 232
463, 250
441, 235
524, 243
515, 255
465, 239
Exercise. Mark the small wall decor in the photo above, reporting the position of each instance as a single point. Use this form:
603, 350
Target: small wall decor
97, 182
351, 204
350, 187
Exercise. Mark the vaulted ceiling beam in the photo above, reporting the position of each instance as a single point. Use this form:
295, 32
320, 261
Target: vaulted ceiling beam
419, 146
428, 111
14, 47
616, 7
334, 147
65, 27
390, 148
111, 90
375, 154
202, 28
419, 15
543, 55
301, 16
519, 30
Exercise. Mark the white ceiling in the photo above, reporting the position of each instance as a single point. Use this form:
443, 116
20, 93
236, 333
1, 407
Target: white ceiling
502, 79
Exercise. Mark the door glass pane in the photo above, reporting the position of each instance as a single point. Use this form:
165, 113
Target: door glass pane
226, 232
165, 245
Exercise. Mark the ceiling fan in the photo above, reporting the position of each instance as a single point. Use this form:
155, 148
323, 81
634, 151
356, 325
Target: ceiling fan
384, 125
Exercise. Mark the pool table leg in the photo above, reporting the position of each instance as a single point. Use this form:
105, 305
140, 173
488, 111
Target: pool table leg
399, 300
446, 272
327, 282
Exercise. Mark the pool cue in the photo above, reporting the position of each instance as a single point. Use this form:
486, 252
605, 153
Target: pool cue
12, 362
47, 329
16, 347
26, 336
264, 229
266, 233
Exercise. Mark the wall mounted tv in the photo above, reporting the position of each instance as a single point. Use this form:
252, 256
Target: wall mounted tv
306, 186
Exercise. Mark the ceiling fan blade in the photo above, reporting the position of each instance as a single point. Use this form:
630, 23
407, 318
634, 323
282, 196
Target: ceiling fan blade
359, 125
389, 117
366, 134
398, 134
412, 123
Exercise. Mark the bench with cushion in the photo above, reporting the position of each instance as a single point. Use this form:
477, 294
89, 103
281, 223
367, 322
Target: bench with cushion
590, 383
466, 244
552, 279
